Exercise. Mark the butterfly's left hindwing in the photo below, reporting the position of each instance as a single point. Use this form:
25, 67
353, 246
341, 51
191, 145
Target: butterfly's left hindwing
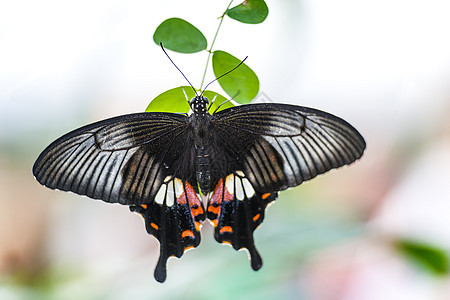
236, 210
285, 145
268, 148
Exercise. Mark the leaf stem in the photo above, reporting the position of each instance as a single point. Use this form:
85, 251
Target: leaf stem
212, 44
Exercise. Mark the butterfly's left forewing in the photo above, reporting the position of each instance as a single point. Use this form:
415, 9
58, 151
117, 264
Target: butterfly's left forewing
286, 145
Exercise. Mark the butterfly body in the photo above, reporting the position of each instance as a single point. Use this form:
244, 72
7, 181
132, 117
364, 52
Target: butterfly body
200, 122
163, 164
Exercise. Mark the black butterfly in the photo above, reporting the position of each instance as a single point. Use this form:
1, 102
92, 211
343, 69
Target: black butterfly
169, 167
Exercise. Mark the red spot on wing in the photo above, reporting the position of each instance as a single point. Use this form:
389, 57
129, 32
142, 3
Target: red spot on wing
219, 191
188, 195
194, 202
182, 199
219, 194
214, 202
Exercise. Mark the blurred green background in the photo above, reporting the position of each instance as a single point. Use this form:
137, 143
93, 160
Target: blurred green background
379, 229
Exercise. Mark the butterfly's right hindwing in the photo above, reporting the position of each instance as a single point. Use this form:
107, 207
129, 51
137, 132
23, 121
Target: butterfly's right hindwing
174, 219
122, 159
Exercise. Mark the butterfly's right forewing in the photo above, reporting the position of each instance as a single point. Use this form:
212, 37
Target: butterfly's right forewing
122, 159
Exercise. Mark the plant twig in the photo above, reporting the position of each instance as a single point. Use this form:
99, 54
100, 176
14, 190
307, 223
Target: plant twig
212, 44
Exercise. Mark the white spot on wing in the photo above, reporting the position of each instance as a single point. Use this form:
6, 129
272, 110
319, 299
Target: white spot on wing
239, 189
248, 188
178, 187
170, 194
240, 173
229, 183
159, 198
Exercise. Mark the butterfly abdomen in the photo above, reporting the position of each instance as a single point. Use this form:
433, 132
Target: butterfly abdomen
203, 168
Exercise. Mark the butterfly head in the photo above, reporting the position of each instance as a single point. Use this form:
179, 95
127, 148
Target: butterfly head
199, 105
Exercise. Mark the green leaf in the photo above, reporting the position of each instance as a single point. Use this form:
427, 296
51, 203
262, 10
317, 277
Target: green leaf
217, 100
242, 84
431, 258
180, 36
174, 100
249, 11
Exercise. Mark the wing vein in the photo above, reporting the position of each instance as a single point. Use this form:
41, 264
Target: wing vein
115, 178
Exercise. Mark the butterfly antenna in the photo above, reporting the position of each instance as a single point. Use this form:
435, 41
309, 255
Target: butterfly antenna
212, 102
217, 78
217, 108
229, 100
164, 50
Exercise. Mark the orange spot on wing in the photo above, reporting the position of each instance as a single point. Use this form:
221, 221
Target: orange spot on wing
214, 210
214, 222
226, 242
265, 196
144, 206
226, 229
188, 247
187, 233
197, 211
197, 226
256, 217
154, 226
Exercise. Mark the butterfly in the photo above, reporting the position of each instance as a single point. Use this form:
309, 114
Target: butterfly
177, 170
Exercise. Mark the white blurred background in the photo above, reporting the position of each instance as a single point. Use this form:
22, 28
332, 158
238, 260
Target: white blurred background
384, 66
